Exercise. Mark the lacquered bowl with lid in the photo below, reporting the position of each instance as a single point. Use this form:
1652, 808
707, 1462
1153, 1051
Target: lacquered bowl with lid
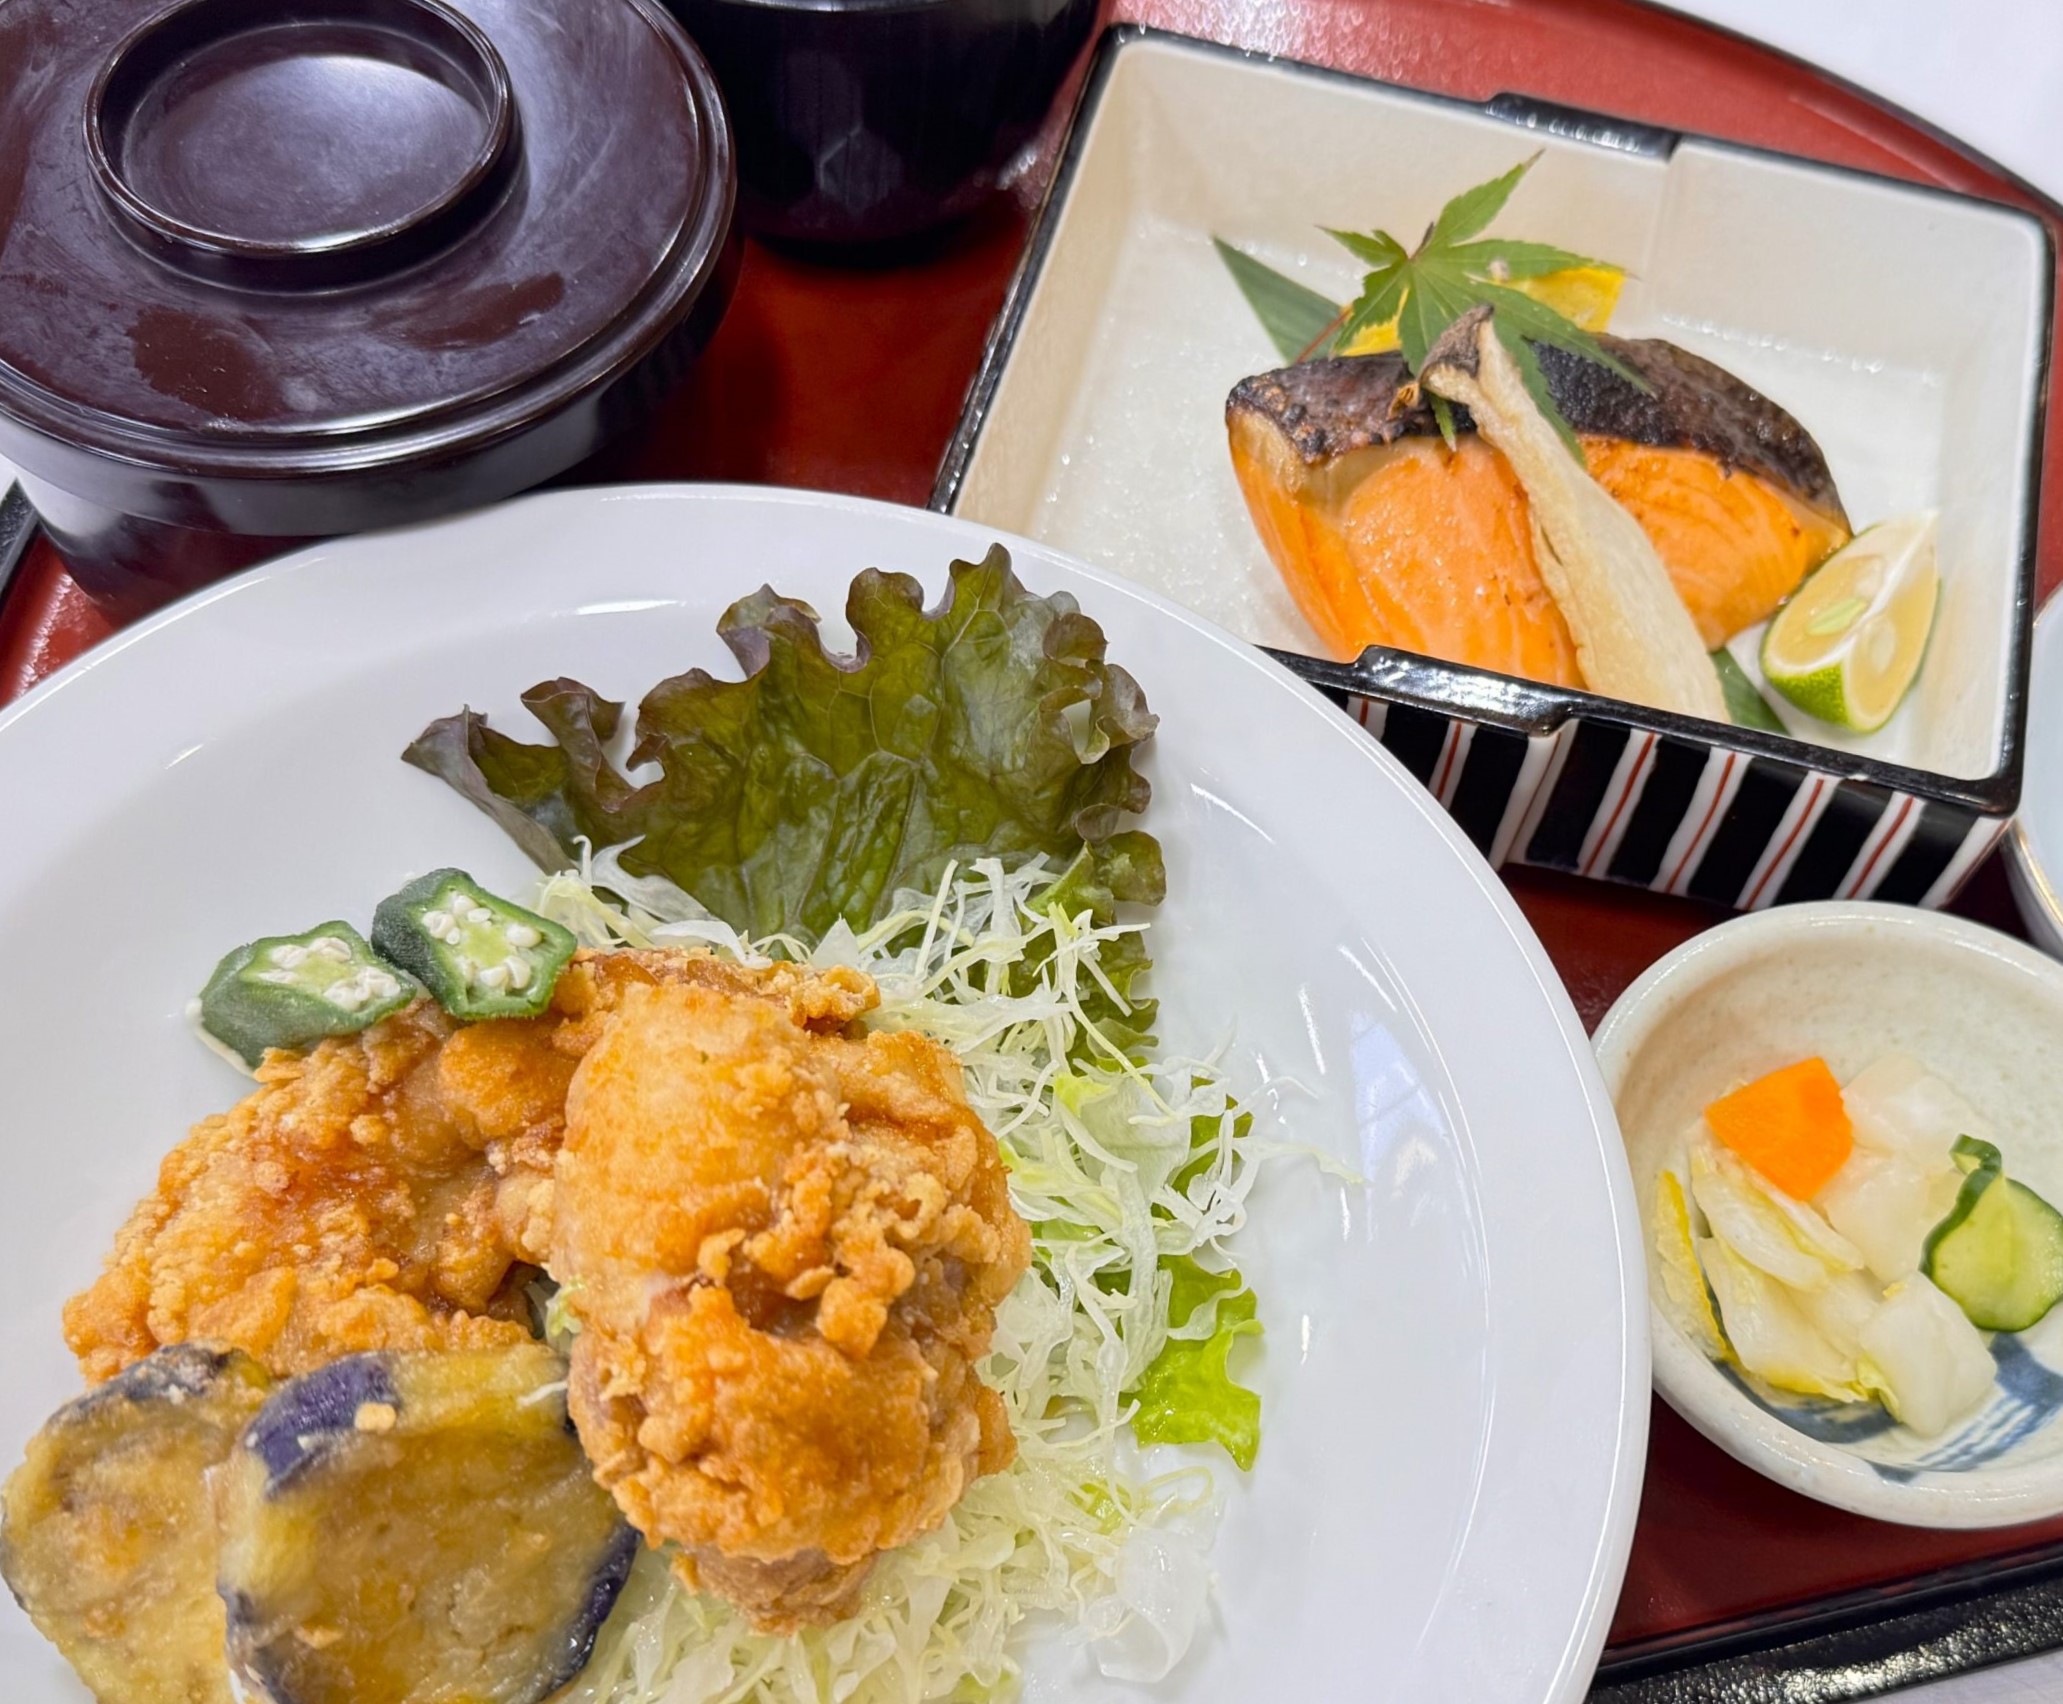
269, 274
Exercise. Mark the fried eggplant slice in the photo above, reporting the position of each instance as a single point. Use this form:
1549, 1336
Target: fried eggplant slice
109, 1540
417, 1529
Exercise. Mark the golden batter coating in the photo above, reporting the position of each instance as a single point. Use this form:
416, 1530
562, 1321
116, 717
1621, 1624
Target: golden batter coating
107, 1529
386, 1190
338, 1208
784, 1245
784, 1251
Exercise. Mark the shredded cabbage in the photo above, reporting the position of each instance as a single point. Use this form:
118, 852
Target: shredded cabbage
1130, 1172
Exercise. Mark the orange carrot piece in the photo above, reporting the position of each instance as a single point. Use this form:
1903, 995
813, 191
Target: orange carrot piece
1791, 1126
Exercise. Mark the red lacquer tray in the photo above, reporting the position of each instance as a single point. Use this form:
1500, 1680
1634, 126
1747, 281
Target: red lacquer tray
1737, 1589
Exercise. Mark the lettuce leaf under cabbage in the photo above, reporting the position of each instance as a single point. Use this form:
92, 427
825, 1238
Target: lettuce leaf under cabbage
819, 787
1187, 1396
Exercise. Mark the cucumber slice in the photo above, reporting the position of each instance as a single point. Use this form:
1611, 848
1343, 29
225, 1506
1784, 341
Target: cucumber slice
1999, 1253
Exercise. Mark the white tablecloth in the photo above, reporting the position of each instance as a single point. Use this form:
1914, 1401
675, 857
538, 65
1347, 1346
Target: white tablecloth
1991, 72
1987, 71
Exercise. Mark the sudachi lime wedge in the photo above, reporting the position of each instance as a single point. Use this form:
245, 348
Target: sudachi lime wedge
1848, 644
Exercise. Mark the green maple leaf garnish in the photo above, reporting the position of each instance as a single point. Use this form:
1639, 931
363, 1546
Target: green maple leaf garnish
1456, 268
1426, 289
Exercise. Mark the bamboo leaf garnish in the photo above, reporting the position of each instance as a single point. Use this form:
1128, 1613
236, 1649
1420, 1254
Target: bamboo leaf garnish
1747, 707
1295, 317
1425, 290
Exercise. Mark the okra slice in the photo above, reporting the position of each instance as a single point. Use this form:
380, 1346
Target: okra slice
479, 955
292, 990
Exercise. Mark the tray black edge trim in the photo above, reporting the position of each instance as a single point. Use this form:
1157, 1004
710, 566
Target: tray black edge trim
1860, 1646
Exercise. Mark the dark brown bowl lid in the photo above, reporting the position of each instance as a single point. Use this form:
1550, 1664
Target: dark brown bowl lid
247, 236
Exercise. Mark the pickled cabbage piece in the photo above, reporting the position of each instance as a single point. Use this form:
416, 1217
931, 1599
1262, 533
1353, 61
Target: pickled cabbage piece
109, 1539
418, 1529
1899, 1107
1841, 1310
1771, 1334
1926, 1360
1785, 1238
1885, 1204
1688, 1301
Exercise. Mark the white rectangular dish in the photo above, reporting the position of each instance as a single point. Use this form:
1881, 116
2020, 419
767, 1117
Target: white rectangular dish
1907, 328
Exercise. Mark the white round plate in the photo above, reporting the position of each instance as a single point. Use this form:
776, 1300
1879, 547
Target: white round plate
2034, 844
1455, 1365
1853, 981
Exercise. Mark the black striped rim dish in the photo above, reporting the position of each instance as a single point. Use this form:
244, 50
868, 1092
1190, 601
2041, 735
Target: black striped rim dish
1570, 781
1612, 800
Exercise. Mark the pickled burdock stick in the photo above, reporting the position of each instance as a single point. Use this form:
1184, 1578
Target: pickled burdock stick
1634, 637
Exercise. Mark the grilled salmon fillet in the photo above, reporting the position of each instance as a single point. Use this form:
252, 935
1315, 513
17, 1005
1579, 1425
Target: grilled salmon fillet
1386, 536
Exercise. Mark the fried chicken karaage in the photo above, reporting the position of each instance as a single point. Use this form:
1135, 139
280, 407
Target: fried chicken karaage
386, 1190
338, 1208
784, 1251
784, 1246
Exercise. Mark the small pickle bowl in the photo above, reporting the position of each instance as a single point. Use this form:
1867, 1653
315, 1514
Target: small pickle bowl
1853, 982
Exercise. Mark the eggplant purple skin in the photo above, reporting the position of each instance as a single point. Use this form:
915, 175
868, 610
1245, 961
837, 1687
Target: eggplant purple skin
172, 1374
315, 1414
606, 1585
309, 1443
